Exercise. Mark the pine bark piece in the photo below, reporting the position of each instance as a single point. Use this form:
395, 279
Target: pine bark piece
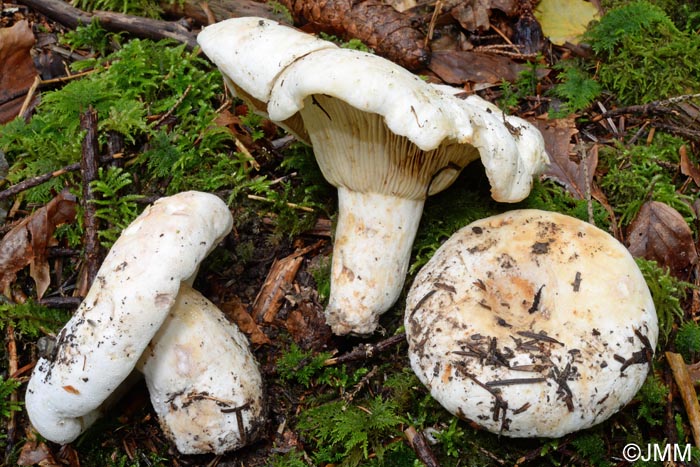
687, 391
382, 28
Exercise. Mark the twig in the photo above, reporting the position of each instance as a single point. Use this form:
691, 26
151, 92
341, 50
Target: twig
36, 181
421, 447
349, 396
433, 20
651, 107
61, 302
687, 391
291, 205
365, 351
11, 369
170, 111
88, 170
30, 96
39, 179
72, 17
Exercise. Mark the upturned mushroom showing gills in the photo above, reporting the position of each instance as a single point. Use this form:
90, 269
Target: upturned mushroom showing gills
384, 137
531, 323
135, 290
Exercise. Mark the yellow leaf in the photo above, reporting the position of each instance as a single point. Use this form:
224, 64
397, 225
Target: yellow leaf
565, 20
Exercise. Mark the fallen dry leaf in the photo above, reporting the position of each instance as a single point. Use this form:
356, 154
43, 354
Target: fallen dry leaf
688, 168
17, 69
565, 20
27, 243
566, 166
661, 234
37, 453
463, 66
474, 15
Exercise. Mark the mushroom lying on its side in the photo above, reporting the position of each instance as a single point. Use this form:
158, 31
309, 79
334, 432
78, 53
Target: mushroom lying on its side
203, 380
531, 323
135, 289
383, 136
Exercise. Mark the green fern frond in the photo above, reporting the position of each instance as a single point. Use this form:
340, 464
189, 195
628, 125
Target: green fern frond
114, 207
31, 320
632, 20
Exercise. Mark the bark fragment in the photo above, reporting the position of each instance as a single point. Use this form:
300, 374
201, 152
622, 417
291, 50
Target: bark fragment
382, 28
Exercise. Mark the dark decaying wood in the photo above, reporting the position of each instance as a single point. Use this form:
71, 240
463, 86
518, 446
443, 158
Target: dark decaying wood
389, 32
89, 164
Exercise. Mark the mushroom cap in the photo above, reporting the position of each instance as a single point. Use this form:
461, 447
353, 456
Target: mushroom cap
403, 127
255, 69
409, 106
531, 323
133, 291
203, 380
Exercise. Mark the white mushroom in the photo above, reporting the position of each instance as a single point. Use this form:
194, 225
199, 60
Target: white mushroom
133, 292
203, 380
531, 323
385, 138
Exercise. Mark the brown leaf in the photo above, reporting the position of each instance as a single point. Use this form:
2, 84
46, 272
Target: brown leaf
565, 165
463, 66
661, 234
307, 326
17, 69
27, 243
474, 15
36, 453
239, 315
687, 167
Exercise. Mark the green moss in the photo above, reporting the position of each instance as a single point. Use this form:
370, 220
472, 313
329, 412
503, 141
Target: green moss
114, 207
652, 401
645, 57
688, 341
576, 88
667, 293
300, 366
640, 173
591, 447
466, 201
347, 433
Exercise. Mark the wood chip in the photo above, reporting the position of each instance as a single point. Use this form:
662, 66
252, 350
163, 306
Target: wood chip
687, 391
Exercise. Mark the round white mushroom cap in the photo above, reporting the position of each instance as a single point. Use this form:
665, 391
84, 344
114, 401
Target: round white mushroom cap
133, 291
203, 381
531, 323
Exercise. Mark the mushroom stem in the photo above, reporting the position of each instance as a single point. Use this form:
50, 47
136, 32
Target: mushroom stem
203, 379
381, 228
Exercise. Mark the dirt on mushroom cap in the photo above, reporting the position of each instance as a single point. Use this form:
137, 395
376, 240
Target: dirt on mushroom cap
531, 324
